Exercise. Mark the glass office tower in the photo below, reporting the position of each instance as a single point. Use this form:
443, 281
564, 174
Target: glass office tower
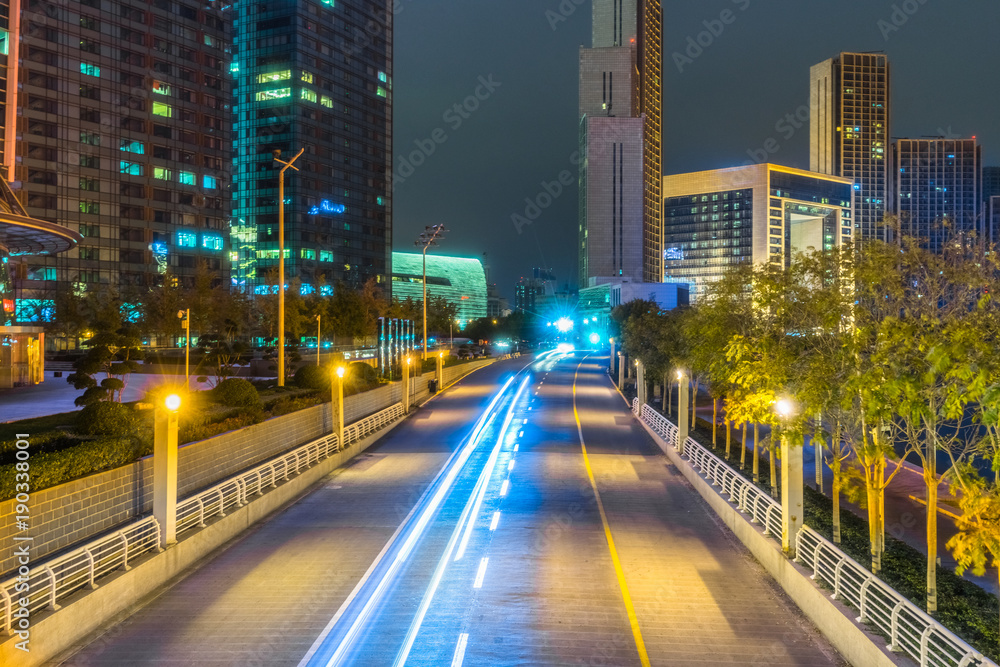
313, 75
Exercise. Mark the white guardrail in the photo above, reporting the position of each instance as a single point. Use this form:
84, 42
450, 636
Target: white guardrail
910, 630
52, 580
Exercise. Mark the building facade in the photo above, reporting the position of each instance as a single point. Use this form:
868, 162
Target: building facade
528, 290
460, 281
849, 131
620, 146
315, 76
120, 129
937, 188
757, 213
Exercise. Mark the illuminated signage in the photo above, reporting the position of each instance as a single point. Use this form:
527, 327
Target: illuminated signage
326, 206
673, 253
8, 305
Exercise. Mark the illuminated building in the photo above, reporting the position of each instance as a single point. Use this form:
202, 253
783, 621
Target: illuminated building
937, 188
460, 281
620, 145
991, 203
850, 130
528, 290
757, 213
123, 124
318, 76
22, 348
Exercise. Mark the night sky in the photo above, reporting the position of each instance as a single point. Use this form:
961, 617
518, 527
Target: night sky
496, 151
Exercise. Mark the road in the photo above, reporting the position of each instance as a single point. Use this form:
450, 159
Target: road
521, 518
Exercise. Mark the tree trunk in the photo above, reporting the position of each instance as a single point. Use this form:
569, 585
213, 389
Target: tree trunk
756, 454
743, 449
772, 451
715, 416
873, 506
694, 402
836, 503
670, 398
663, 394
930, 479
729, 437
818, 450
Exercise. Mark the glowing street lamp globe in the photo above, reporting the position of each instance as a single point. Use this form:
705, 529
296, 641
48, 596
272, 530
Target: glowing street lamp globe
595, 339
173, 402
785, 408
340, 371
564, 324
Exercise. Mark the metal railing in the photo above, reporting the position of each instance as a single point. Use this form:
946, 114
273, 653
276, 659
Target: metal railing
52, 580
910, 630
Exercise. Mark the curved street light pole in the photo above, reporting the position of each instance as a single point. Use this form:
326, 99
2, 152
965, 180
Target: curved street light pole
429, 237
281, 260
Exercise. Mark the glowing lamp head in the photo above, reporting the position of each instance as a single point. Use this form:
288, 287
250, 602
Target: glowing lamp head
441, 355
785, 408
340, 371
680, 375
407, 361
172, 402
564, 324
595, 339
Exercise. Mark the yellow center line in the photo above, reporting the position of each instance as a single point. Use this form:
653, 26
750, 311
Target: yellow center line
632, 618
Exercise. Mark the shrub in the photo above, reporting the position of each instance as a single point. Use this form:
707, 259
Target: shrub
107, 418
361, 377
313, 377
237, 393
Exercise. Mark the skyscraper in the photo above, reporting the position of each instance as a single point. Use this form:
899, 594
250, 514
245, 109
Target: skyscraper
124, 116
937, 188
620, 149
318, 76
850, 130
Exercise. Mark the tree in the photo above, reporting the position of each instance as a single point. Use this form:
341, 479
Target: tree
114, 350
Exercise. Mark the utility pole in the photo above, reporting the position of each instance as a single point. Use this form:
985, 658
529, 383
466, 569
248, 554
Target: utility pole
429, 237
281, 260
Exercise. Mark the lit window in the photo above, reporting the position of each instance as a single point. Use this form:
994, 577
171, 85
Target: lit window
380, 92
326, 290
275, 94
211, 242
90, 207
382, 77
307, 253
186, 178
326, 255
379, 200
307, 76
326, 101
209, 182
130, 146
187, 239
90, 138
90, 70
308, 95
131, 168
162, 173
161, 88
283, 75
306, 288
161, 109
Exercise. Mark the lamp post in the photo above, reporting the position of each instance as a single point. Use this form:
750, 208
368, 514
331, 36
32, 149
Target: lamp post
791, 481
165, 468
337, 388
406, 386
185, 316
440, 371
640, 383
429, 237
318, 334
682, 411
281, 260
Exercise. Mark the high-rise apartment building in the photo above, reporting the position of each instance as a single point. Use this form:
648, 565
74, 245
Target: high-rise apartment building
850, 130
620, 146
937, 188
119, 129
314, 76
759, 213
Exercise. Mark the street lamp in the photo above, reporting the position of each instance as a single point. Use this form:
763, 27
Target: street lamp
281, 260
185, 316
429, 237
338, 406
318, 334
791, 480
165, 467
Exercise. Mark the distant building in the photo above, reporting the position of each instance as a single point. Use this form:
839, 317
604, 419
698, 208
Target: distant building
991, 189
460, 281
937, 188
757, 213
528, 290
596, 302
992, 233
849, 131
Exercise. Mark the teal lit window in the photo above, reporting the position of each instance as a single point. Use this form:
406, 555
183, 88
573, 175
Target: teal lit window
379, 200
130, 146
209, 182
382, 77
162, 173
326, 255
161, 109
186, 178
90, 70
211, 242
308, 95
308, 253
276, 94
306, 288
161, 88
130, 168
187, 239
4, 42
328, 3
35, 310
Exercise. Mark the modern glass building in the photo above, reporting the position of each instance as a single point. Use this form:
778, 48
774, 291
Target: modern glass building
122, 116
850, 130
937, 188
313, 75
460, 281
758, 213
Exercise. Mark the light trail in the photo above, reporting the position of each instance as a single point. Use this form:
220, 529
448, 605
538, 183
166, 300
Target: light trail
436, 492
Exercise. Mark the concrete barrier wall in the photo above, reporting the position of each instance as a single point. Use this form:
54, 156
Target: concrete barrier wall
76, 511
833, 619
